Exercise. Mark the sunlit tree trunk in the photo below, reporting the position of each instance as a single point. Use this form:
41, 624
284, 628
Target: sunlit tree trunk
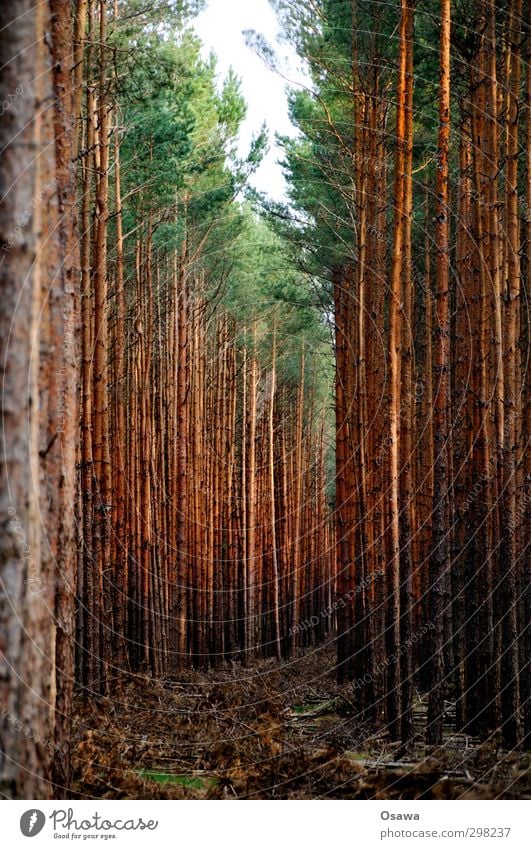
406, 484
439, 559
510, 695
394, 349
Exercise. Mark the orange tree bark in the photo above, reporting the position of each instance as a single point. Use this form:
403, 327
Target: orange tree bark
439, 559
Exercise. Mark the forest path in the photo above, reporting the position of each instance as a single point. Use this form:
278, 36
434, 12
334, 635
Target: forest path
268, 731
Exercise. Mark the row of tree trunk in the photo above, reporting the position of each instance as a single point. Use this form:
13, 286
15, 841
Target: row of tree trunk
432, 397
205, 532
163, 497
217, 536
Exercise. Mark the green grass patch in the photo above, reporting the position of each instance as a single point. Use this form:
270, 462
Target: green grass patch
312, 707
195, 781
359, 756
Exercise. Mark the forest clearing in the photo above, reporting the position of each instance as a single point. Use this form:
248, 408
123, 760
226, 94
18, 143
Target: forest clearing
265, 483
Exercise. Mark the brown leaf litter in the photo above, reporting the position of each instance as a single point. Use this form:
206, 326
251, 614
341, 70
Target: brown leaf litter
267, 731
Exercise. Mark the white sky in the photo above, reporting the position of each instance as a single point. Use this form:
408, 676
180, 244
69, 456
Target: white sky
220, 28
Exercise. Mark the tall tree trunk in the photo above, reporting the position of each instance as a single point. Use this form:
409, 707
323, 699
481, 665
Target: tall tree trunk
101, 461
24, 767
510, 695
406, 494
440, 556
66, 356
271, 463
395, 341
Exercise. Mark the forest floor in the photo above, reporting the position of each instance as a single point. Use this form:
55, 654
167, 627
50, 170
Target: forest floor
270, 731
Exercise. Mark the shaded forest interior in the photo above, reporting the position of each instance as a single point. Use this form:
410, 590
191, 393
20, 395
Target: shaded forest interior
265, 465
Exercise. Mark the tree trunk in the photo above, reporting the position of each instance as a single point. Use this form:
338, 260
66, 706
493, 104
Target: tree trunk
439, 560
